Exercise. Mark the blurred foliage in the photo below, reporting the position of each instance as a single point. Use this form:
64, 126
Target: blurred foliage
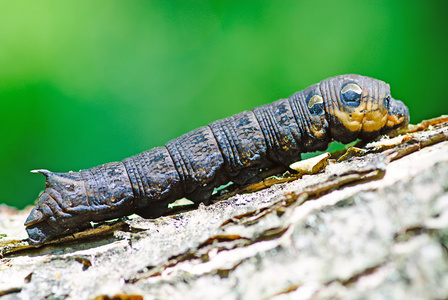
88, 82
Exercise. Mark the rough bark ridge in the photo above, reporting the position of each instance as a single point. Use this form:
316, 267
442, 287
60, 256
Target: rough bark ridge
373, 225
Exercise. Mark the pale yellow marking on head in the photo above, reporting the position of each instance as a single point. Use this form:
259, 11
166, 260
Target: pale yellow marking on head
352, 87
316, 99
375, 117
393, 120
374, 121
351, 120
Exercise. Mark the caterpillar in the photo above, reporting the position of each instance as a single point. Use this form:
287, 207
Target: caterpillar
342, 108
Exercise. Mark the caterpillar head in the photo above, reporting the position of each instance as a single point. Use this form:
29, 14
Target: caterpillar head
361, 107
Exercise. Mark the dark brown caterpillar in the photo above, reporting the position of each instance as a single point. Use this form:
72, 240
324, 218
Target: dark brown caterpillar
342, 108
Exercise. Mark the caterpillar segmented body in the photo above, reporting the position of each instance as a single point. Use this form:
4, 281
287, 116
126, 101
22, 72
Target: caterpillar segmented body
342, 108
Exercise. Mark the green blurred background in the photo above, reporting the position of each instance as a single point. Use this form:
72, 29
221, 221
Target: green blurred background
88, 82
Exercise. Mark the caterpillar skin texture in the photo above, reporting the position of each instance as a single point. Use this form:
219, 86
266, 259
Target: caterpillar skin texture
342, 108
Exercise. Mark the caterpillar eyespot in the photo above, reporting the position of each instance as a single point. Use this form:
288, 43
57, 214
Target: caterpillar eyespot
351, 94
315, 104
342, 108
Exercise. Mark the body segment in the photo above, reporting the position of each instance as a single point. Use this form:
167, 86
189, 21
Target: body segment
342, 108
